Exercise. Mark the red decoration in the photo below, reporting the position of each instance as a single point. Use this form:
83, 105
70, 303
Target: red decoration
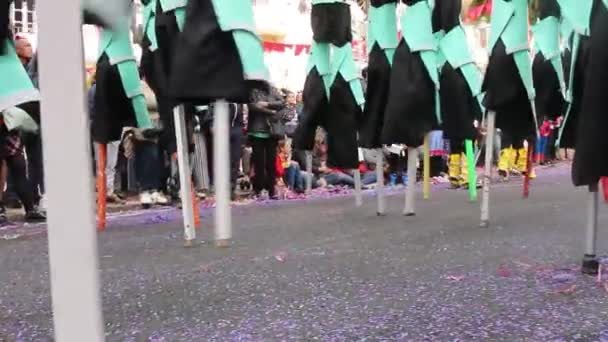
282, 47
478, 11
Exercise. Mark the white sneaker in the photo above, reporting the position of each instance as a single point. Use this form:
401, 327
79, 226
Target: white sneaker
159, 198
145, 198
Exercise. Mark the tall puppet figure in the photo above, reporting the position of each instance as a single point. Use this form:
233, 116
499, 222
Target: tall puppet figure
590, 163
217, 57
508, 82
575, 28
333, 94
119, 97
548, 69
382, 41
412, 109
460, 90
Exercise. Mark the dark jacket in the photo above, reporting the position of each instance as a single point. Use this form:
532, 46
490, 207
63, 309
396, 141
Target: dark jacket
260, 117
234, 110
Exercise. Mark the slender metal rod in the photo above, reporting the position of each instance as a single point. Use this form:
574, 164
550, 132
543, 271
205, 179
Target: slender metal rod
426, 172
72, 237
487, 177
380, 181
410, 191
358, 196
592, 209
185, 175
221, 174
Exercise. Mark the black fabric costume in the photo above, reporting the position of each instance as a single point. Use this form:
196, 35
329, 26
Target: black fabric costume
410, 110
206, 63
459, 108
549, 99
331, 23
569, 135
113, 109
590, 162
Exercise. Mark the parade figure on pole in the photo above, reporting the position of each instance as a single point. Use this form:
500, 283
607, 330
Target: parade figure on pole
217, 58
460, 91
508, 86
590, 163
382, 40
412, 109
333, 94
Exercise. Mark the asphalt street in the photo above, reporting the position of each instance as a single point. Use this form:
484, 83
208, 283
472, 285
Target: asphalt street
325, 270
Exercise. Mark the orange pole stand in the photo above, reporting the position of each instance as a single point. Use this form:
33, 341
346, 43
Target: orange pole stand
102, 157
528, 172
196, 211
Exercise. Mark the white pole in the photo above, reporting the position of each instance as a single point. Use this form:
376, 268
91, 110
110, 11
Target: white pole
590, 262
73, 256
380, 181
410, 191
487, 177
358, 197
221, 173
309, 174
185, 175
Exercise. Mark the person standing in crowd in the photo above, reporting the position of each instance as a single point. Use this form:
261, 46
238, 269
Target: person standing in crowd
289, 114
112, 148
264, 130
12, 157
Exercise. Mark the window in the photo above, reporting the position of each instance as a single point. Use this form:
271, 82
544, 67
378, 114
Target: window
23, 16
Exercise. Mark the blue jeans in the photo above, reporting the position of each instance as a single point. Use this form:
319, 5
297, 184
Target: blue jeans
147, 170
294, 177
369, 178
541, 147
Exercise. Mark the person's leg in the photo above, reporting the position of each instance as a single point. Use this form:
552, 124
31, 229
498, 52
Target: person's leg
17, 166
270, 159
33, 148
257, 159
290, 177
236, 139
146, 170
368, 178
455, 163
111, 161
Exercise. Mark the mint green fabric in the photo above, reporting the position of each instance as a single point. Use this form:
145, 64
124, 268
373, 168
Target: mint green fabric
171, 5
390, 55
382, 27
546, 38
316, 2
16, 87
578, 13
441, 60
149, 14
357, 90
502, 12
260, 135
129, 76
117, 45
566, 30
180, 17
417, 29
515, 34
319, 58
251, 52
454, 47
142, 116
234, 14
524, 66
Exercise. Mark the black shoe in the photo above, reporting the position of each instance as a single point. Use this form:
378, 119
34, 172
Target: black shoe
35, 215
3, 217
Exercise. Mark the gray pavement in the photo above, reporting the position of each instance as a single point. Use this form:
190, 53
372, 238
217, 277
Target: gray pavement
325, 270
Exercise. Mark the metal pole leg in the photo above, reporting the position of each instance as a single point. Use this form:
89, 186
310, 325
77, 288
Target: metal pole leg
410, 192
102, 160
72, 237
358, 197
380, 181
426, 178
309, 174
590, 262
221, 165
185, 179
485, 195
